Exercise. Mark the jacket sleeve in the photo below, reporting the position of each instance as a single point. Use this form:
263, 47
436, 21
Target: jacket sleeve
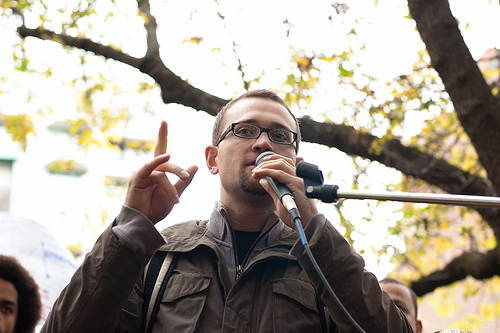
357, 289
93, 299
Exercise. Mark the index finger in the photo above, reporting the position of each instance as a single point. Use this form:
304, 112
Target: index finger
149, 167
161, 143
276, 162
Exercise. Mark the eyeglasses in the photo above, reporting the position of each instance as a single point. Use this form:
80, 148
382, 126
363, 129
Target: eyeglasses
251, 131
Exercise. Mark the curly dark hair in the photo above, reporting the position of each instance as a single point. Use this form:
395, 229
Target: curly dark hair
28, 296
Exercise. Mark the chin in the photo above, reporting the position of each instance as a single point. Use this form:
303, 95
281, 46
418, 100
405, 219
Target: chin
252, 186
260, 192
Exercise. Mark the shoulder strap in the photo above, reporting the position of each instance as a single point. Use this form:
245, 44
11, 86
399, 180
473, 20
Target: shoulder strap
157, 273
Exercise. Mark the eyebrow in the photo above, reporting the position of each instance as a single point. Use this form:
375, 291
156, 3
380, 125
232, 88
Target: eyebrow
274, 124
7, 302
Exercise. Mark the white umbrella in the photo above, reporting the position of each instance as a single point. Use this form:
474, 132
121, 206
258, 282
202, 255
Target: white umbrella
49, 262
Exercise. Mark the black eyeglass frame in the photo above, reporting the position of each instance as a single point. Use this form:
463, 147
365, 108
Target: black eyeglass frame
261, 129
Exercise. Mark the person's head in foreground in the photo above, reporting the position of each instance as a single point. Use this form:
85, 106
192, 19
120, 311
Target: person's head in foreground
253, 123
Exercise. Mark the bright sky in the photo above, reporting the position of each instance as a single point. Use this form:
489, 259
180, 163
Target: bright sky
257, 29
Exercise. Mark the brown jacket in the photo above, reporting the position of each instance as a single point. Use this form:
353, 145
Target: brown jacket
275, 292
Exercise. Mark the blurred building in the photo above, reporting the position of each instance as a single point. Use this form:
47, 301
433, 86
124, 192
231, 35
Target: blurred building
489, 64
70, 189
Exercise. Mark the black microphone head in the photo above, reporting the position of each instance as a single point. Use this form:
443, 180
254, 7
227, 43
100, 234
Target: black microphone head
278, 187
311, 174
262, 156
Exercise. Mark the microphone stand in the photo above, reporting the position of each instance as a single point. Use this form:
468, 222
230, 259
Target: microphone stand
314, 187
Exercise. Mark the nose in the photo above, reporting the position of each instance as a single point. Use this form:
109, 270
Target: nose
262, 143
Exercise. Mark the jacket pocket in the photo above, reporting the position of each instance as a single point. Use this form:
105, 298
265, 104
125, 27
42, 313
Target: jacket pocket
183, 302
295, 307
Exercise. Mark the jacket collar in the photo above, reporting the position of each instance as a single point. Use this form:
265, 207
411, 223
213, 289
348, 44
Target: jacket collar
275, 232
185, 236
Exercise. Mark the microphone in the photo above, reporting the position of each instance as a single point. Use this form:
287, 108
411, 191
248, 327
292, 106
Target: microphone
286, 198
282, 191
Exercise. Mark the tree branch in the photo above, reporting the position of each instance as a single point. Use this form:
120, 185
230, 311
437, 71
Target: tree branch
173, 88
409, 160
81, 43
478, 265
246, 85
151, 29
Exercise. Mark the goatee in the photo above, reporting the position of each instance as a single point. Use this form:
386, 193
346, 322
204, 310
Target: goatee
250, 185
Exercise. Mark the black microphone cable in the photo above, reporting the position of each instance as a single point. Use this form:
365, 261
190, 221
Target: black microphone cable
284, 194
322, 276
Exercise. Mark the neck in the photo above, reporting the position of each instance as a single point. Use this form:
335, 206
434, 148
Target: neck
250, 213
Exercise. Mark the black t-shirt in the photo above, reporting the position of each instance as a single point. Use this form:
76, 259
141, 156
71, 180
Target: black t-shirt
244, 240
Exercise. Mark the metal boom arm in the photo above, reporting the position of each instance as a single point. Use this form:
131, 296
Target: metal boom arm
314, 187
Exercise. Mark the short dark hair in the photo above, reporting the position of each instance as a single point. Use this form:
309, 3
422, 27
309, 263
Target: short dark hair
28, 296
258, 93
413, 295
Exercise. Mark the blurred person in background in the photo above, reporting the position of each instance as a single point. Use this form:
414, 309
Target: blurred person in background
20, 304
405, 299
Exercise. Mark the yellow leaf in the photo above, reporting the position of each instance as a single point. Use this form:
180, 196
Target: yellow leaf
194, 40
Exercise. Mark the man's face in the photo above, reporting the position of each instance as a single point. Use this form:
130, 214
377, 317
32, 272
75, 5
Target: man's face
401, 296
236, 156
8, 306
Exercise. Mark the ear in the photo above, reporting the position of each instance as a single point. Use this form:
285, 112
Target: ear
419, 327
211, 153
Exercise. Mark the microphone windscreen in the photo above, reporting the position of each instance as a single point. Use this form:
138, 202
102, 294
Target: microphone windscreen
262, 156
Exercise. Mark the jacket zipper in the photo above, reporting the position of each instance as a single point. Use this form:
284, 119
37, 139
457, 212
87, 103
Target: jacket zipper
239, 270
239, 267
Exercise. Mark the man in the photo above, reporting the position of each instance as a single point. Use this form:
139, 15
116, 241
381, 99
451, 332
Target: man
243, 270
405, 299
20, 303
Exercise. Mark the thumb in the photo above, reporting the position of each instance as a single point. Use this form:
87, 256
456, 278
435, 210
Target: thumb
182, 184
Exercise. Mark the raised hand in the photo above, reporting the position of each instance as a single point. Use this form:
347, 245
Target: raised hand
149, 189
